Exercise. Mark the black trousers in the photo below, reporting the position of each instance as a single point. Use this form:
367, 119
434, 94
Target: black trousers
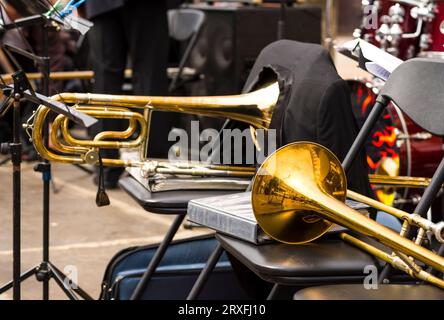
138, 31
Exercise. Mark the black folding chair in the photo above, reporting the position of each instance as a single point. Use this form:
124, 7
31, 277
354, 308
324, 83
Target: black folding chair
170, 203
416, 88
329, 260
184, 26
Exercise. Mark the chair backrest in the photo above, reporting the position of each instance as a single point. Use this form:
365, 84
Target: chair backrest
183, 23
417, 88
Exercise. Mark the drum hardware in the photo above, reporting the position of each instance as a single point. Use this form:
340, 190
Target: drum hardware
299, 192
415, 136
414, 200
406, 28
391, 32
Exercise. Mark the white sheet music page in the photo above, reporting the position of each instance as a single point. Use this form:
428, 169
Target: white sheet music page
379, 62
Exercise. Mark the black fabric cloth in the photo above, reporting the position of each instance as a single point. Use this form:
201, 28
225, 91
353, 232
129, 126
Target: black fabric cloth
315, 102
136, 31
314, 105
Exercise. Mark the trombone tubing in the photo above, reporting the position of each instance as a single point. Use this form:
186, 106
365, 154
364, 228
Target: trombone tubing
39, 141
251, 104
413, 219
394, 260
254, 108
338, 212
400, 181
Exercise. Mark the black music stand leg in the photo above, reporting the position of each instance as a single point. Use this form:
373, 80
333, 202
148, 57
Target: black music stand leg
205, 273
154, 263
60, 280
274, 292
16, 157
74, 286
23, 277
45, 169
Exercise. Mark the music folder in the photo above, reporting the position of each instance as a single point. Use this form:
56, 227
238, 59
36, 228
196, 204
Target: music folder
233, 215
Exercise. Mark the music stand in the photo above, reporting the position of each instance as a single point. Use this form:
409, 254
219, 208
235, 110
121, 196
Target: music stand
45, 270
22, 89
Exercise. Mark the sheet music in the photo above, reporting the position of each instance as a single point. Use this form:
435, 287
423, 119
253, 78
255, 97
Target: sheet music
379, 62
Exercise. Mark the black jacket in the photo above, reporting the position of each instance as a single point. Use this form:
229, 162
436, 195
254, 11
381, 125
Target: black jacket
315, 102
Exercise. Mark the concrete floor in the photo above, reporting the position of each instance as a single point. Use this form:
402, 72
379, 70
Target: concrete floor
83, 235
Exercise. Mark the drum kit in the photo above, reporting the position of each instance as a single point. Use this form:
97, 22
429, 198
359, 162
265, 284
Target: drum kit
397, 146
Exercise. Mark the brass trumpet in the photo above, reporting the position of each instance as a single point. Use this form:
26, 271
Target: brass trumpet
299, 191
253, 108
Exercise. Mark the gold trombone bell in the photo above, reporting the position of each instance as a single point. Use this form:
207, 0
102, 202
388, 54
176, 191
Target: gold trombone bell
299, 191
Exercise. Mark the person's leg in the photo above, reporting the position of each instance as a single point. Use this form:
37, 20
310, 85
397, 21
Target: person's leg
146, 27
108, 50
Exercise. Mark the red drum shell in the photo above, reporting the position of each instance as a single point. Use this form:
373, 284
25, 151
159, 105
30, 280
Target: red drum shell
408, 48
435, 28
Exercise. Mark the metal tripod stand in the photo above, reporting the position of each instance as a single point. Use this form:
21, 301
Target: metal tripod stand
46, 270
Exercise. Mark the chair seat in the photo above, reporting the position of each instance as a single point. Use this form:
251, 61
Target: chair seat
358, 292
166, 202
327, 260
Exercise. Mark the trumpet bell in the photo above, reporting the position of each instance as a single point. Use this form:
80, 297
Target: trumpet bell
280, 187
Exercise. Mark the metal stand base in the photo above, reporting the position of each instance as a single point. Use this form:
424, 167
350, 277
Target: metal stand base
46, 271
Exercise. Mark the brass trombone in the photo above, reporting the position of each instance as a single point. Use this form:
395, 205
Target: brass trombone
299, 191
253, 108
